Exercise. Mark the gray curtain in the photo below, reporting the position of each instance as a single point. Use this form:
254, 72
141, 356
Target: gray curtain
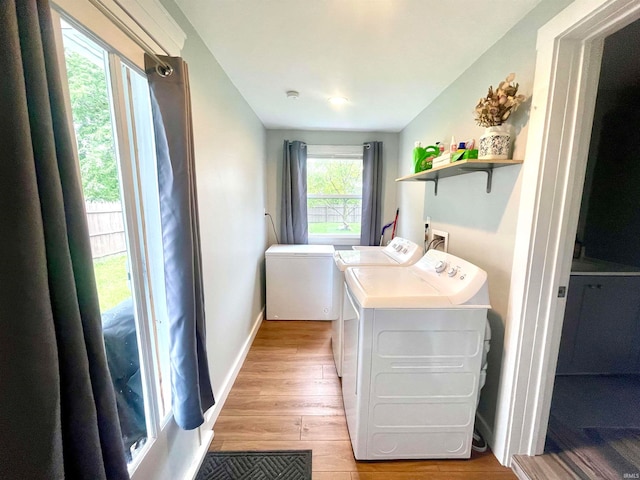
293, 211
371, 194
171, 105
58, 414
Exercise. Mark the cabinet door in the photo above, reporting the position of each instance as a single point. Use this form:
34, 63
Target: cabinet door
601, 331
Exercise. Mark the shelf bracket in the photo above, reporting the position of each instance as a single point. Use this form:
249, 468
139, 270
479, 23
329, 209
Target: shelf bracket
488, 171
435, 181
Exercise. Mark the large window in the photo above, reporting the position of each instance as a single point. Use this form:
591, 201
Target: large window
334, 193
111, 115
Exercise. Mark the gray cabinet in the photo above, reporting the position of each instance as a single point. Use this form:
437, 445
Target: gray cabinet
601, 330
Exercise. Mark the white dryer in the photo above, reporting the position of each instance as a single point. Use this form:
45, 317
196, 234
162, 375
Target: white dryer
400, 252
413, 348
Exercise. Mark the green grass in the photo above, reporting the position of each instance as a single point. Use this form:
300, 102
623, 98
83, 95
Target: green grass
111, 279
333, 228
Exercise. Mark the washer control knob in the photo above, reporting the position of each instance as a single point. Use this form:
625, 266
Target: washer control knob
440, 266
452, 271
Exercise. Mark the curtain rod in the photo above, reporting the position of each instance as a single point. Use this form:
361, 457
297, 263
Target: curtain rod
366, 145
163, 68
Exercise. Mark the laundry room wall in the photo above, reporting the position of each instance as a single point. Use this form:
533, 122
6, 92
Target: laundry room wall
481, 226
275, 139
231, 179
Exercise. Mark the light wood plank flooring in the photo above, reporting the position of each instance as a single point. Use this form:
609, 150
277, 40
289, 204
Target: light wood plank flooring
287, 397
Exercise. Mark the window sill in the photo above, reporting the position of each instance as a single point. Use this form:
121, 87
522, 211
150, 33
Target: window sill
334, 240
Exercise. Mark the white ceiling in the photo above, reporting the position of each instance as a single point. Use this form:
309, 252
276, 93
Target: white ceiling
390, 58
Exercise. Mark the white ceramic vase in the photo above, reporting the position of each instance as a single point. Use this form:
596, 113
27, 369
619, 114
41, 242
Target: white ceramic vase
495, 143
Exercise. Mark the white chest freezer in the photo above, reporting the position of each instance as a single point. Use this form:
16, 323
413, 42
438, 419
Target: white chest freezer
300, 281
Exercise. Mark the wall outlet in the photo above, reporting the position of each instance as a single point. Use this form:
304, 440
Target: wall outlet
441, 239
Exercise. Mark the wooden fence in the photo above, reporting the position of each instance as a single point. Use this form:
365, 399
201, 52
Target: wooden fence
106, 228
327, 214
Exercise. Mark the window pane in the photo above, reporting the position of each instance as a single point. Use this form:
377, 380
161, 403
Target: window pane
334, 196
144, 160
88, 76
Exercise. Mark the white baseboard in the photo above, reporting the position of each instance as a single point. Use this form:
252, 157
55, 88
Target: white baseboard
212, 414
205, 440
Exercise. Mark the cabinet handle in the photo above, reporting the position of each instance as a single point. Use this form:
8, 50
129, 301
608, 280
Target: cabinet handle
592, 286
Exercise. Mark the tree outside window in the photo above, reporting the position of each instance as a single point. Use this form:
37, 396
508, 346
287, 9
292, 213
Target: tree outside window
334, 195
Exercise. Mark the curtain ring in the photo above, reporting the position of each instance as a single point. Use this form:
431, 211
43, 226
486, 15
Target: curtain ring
164, 70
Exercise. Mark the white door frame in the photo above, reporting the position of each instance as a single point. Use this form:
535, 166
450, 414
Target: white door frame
567, 72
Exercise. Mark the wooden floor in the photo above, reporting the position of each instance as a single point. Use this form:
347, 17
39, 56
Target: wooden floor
589, 453
287, 397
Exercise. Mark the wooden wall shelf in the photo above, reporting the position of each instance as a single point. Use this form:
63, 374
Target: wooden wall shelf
461, 167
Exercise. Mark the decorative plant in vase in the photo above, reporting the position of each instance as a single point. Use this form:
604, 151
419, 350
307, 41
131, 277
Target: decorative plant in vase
491, 112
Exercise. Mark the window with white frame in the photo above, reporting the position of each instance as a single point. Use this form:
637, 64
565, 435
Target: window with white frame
334, 193
111, 115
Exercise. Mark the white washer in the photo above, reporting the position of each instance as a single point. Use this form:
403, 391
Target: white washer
399, 253
300, 283
413, 348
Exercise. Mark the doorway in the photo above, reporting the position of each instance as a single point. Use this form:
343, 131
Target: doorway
595, 403
570, 51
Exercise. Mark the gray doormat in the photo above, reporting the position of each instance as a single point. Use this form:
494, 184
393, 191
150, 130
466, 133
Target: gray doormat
264, 465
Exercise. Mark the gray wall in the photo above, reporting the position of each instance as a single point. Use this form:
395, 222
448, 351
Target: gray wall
481, 226
231, 172
275, 139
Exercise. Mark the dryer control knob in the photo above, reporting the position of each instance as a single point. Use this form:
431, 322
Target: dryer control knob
452, 271
440, 266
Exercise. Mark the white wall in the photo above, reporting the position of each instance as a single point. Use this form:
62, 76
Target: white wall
275, 139
481, 226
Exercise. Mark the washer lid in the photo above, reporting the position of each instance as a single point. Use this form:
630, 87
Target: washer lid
353, 258
400, 251
300, 250
379, 287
